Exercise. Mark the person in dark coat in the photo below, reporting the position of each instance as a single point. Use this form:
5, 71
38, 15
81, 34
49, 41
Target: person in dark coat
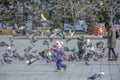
111, 43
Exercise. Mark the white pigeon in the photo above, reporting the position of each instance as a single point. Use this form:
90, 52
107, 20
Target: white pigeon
71, 33
44, 21
101, 73
19, 28
16, 26
55, 32
43, 18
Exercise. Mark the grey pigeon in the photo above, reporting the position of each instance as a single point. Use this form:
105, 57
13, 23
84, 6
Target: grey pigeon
95, 76
2, 44
68, 40
31, 37
86, 63
45, 42
6, 58
81, 38
11, 42
61, 34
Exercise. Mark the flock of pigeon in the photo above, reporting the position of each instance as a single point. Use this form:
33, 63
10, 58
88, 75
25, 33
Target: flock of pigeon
85, 53
28, 57
86, 50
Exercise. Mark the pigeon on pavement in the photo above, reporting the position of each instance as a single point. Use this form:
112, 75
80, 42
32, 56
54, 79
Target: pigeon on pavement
95, 76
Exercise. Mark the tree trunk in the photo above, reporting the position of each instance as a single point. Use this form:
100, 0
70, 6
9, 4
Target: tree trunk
74, 26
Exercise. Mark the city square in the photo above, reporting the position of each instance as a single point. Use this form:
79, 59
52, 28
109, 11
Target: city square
59, 39
41, 70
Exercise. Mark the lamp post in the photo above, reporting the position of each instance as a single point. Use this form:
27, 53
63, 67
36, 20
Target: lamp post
23, 32
23, 13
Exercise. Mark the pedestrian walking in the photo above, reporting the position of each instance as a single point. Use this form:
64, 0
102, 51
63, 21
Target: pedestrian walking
111, 43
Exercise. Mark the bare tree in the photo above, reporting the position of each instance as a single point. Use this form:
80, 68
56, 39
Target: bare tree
112, 8
75, 8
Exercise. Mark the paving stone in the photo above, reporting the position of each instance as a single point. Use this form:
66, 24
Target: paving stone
40, 70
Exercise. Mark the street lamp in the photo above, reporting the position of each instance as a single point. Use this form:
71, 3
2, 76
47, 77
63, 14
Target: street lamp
23, 13
22, 31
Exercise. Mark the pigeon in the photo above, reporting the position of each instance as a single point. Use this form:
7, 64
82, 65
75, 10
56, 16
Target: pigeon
28, 49
29, 58
61, 34
32, 38
2, 44
48, 33
11, 42
42, 54
19, 28
95, 76
34, 51
16, 26
66, 49
56, 32
52, 36
5, 55
51, 39
18, 56
45, 42
31, 61
86, 63
71, 33
44, 21
100, 74
73, 50
68, 40
1, 61
43, 18
80, 38
5, 58
95, 59
99, 44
